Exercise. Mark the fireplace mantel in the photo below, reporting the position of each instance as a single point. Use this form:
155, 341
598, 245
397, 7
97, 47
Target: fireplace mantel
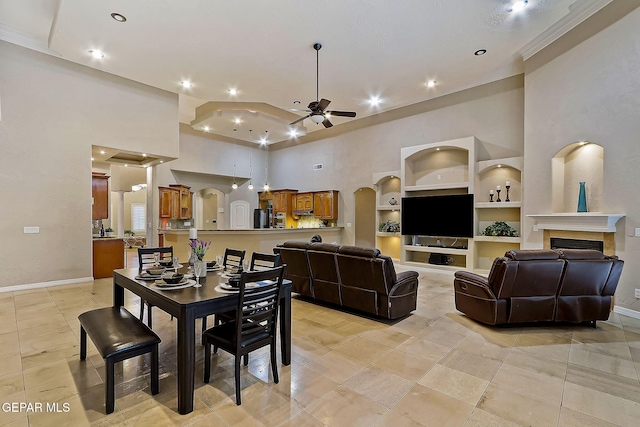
577, 221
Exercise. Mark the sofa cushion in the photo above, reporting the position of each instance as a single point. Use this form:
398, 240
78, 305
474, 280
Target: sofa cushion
359, 251
323, 247
296, 244
529, 255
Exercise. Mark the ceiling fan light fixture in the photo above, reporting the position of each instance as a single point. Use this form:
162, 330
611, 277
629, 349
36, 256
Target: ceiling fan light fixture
97, 54
480, 52
431, 83
233, 92
119, 17
374, 101
234, 185
317, 118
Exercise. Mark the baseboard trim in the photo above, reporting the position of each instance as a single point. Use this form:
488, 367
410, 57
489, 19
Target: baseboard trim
626, 311
28, 286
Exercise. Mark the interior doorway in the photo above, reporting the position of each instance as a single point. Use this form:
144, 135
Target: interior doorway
365, 218
209, 208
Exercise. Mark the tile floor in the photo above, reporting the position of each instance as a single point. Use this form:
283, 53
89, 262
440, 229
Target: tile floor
433, 368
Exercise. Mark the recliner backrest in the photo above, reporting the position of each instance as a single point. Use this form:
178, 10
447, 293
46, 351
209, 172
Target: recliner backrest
365, 268
294, 255
324, 271
587, 272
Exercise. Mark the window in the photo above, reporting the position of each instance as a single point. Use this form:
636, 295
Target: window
138, 216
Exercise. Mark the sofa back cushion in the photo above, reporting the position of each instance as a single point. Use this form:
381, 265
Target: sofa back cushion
324, 272
294, 255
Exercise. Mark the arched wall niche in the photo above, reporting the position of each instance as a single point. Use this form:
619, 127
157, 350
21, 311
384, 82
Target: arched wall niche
577, 162
209, 208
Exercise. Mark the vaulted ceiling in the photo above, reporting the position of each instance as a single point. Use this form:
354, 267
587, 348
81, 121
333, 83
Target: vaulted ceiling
263, 50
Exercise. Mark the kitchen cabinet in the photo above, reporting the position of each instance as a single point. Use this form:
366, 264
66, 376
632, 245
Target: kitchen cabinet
100, 195
185, 201
325, 204
304, 202
176, 202
169, 199
265, 196
108, 255
283, 201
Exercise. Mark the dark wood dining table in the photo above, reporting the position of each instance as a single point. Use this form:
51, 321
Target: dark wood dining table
187, 305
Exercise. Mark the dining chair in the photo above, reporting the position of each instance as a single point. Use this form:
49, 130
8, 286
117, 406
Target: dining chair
146, 258
233, 258
262, 261
254, 326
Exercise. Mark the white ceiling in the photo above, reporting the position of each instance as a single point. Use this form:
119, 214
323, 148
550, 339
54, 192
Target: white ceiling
382, 48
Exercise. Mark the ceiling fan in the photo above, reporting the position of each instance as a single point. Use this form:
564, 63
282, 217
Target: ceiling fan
317, 109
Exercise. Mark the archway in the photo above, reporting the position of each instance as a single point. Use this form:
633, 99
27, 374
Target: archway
365, 217
210, 209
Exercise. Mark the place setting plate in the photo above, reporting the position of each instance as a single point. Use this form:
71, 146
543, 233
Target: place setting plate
185, 283
148, 276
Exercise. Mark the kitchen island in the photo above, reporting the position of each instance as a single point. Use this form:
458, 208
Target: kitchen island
252, 240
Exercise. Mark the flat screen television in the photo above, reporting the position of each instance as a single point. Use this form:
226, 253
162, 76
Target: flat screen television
438, 216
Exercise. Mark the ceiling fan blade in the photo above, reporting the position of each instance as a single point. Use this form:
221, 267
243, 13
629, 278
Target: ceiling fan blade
299, 120
342, 113
324, 103
327, 123
300, 110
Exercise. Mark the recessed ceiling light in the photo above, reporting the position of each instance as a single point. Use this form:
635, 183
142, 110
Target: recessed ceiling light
437, 149
126, 165
119, 17
186, 84
206, 128
101, 151
296, 102
161, 161
480, 52
293, 133
92, 159
96, 54
431, 83
499, 166
374, 101
237, 121
144, 154
233, 91
518, 6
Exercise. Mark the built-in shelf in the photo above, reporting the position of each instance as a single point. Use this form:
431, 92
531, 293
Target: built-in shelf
436, 249
387, 234
389, 208
430, 187
498, 205
501, 239
439, 267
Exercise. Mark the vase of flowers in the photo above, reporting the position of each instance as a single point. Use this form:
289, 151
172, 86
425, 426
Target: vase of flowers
199, 248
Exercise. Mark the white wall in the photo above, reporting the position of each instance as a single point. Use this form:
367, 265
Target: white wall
52, 112
495, 116
591, 92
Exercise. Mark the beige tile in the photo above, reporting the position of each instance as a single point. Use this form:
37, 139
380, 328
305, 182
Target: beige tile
266, 408
302, 419
605, 382
601, 405
603, 362
380, 386
529, 382
363, 350
388, 337
11, 384
210, 420
304, 386
423, 348
162, 410
10, 364
470, 363
405, 365
305, 349
518, 407
480, 418
394, 419
477, 344
344, 407
336, 366
443, 337
304, 327
329, 338
11, 416
52, 354
571, 418
537, 363
432, 408
451, 382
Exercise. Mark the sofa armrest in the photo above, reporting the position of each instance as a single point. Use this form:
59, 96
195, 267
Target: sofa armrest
407, 282
472, 284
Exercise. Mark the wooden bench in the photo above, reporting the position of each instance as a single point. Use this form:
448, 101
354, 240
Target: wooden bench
118, 335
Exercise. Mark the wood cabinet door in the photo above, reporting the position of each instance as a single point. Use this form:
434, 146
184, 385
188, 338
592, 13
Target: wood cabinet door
166, 201
326, 204
175, 203
318, 205
100, 194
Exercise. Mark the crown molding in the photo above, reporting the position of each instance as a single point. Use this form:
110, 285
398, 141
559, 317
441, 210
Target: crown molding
19, 38
578, 12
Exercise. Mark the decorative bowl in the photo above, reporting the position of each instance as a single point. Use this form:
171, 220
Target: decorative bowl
173, 278
156, 271
166, 263
211, 264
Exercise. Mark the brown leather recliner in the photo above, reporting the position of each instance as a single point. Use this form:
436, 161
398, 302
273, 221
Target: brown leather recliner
351, 276
541, 285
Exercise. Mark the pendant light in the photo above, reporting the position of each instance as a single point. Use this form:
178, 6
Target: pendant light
266, 161
250, 187
234, 185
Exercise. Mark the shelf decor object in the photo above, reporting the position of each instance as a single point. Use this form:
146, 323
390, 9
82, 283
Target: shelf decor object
390, 226
507, 186
498, 191
491, 196
500, 228
582, 198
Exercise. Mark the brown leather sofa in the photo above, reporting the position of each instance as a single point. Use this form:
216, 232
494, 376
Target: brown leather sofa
541, 285
350, 276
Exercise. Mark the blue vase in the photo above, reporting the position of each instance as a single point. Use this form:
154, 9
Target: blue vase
582, 198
